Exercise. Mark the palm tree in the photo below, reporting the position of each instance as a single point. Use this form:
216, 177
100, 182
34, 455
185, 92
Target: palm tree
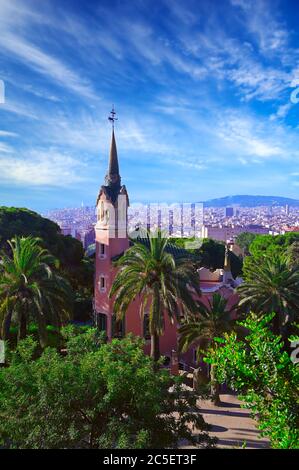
272, 285
210, 321
31, 289
165, 285
292, 253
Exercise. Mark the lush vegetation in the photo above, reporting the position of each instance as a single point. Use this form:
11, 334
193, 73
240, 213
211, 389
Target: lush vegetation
31, 289
97, 396
272, 285
201, 328
244, 240
210, 254
162, 281
51, 398
73, 264
270, 245
265, 378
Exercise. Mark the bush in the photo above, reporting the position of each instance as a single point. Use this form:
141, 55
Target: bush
265, 377
97, 396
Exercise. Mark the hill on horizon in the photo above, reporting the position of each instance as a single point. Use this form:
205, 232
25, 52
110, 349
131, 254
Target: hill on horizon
250, 201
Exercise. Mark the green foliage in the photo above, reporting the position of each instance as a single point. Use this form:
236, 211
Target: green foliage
292, 253
271, 285
23, 222
31, 289
162, 282
68, 250
270, 245
97, 396
265, 377
200, 329
211, 320
53, 335
244, 240
211, 254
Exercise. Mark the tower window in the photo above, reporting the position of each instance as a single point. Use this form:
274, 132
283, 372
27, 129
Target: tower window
102, 250
102, 284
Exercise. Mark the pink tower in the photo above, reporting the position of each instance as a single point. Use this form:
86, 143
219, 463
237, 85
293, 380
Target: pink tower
110, 235
112, 240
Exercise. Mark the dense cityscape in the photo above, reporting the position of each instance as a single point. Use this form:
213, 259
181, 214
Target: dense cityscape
219, 223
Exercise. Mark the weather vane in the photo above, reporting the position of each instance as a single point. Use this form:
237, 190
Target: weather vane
112, 117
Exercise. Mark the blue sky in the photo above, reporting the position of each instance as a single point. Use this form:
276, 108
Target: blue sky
202, 90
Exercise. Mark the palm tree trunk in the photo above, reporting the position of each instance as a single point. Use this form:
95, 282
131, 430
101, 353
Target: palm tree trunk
276, 324
22, 333
6, 327
215, 387
155, 348
196, 379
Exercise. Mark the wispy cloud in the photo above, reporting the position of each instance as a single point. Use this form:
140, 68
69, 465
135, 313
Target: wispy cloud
41, 168
200, 88
8, 134
14, 43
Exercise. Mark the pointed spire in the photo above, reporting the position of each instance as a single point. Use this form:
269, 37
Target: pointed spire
113, 177
113, 168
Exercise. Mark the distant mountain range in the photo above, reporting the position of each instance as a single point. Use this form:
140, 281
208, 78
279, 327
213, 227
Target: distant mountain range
251, 201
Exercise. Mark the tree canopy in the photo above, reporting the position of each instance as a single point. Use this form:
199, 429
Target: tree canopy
264, 376
78, 269
24, 222
211, 254
97, 396
244, 241
269, 244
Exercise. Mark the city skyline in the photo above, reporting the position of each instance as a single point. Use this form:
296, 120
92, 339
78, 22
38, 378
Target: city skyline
206, 101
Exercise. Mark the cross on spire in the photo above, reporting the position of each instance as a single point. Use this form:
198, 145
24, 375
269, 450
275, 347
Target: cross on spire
112, 117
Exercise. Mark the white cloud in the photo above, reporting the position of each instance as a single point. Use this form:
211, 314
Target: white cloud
41, 168
259, 18
13, 42
281, 112
8, 134
5, 148
19, 108
251, 138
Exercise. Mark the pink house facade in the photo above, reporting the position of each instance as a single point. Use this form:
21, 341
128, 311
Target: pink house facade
112, 240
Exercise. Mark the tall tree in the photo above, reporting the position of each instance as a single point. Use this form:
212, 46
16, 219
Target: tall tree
244, 241
271, 285
292, 253
165, 284
211, 321
31, 288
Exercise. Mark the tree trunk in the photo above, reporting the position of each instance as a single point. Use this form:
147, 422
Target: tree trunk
215, 387
42, 332
155, 349
6, 327
22, 333
276, 324
196, 379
